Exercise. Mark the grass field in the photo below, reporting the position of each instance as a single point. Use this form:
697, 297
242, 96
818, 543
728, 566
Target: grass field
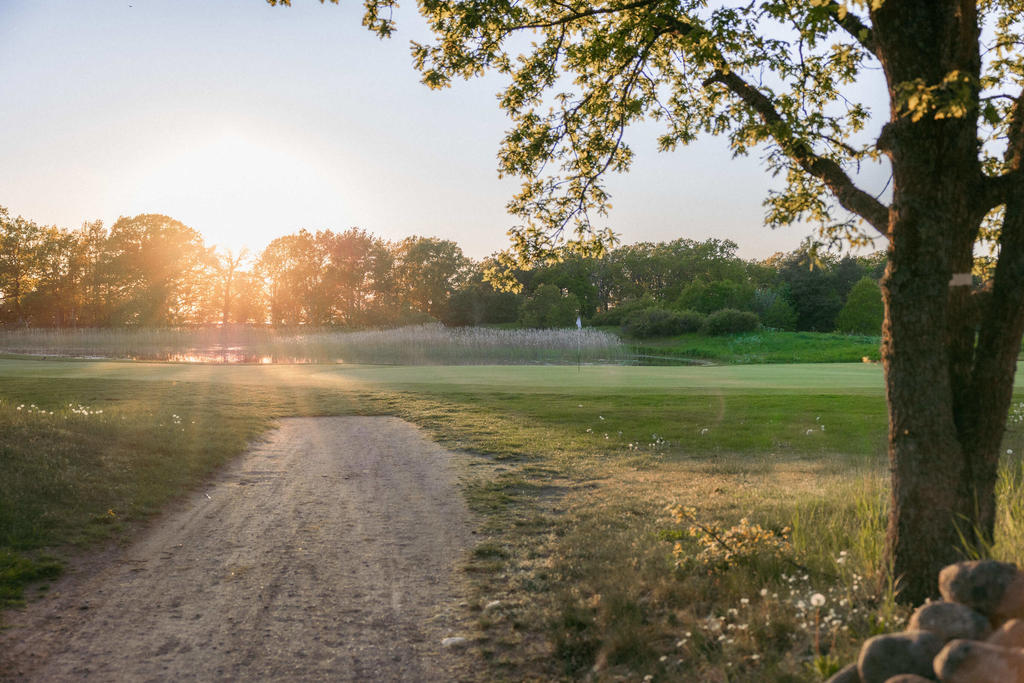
764, 346
573, 475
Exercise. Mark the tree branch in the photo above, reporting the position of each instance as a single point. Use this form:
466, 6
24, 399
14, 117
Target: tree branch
620, 127
995, 190
851, 197
1015, 134
576, 16
992, 193
853, 25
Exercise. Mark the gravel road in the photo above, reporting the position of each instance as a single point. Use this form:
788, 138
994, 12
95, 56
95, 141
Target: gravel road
329, 551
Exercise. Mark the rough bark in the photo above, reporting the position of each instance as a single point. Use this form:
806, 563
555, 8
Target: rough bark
943, 475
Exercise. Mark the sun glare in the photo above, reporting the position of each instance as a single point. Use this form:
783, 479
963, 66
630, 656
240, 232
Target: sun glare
221, 184
228, 163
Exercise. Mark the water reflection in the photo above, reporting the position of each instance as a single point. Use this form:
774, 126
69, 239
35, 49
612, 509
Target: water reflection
233, 355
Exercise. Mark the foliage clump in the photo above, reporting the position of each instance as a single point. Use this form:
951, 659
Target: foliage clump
659, 322
721, 547
549, 307
730, 321
863, 311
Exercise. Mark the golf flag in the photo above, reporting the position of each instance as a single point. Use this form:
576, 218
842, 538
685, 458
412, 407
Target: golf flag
579, 323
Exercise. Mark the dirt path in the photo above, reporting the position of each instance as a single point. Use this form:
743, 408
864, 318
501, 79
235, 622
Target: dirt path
328, 552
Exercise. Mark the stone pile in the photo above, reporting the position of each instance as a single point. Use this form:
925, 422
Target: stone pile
975, 634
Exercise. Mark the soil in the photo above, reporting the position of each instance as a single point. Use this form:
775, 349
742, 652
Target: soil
329, 551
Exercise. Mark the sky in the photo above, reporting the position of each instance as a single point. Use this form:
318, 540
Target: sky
248, 122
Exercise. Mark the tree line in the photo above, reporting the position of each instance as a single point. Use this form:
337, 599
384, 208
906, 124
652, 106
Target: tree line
152, 270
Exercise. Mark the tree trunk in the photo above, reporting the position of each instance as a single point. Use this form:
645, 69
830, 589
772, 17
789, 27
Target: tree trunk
943, 476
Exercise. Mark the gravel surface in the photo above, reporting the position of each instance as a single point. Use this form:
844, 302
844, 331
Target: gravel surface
329, 551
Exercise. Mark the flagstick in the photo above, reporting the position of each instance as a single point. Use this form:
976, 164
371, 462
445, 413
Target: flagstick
579, 333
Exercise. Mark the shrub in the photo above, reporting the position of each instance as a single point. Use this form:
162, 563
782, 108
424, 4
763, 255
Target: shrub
779, 315
863, 311
657, 322
729, 321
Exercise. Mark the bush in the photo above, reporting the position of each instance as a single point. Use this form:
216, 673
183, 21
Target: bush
657, 322
863, 311
779, 315
729, 321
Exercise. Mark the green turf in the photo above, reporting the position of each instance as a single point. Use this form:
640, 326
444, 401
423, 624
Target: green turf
571, 470
839, 378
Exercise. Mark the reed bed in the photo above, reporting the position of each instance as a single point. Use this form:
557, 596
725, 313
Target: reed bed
418, 345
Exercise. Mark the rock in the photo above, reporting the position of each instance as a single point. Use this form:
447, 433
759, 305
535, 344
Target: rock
950, 621
911, 652
1010, 634
1012, 604
972, 661
848, 674
492, 605
982, 585
910, 678
455, 641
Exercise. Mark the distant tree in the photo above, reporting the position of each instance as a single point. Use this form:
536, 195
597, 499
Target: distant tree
360, 266
477, 302
574, 273
662, 270
96, 278
226, 266
549, 306
57, 295
863, 311
775, 311
293, 269
812, 291
708, 297
874, 265
156, 267
249, 302
617, 314
20, 252
428, 270
846, 272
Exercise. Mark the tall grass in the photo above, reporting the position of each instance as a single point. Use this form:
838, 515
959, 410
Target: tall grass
1009, 532
419, 345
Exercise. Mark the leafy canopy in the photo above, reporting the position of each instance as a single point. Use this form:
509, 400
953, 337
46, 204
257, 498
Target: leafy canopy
773, 76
